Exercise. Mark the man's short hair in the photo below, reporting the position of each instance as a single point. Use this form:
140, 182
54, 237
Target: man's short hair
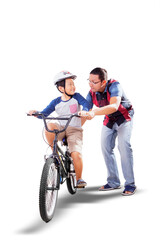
101, 72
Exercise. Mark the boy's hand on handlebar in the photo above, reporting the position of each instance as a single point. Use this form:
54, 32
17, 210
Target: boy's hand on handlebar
31, 112
87, 115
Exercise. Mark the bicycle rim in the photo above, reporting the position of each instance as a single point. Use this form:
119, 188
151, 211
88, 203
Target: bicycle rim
48, 191
51, 195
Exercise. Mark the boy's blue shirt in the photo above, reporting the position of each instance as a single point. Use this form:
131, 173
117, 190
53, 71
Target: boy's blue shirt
72, 106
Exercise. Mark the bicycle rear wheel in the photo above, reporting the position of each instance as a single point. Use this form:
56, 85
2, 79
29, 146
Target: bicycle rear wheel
71, 180
48, 193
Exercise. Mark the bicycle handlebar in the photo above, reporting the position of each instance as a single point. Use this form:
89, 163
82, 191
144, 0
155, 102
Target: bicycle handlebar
56, 131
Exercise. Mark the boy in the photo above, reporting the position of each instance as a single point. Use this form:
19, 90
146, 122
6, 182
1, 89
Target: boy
69, 103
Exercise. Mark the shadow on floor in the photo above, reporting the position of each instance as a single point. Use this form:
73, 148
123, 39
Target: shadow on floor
88, 195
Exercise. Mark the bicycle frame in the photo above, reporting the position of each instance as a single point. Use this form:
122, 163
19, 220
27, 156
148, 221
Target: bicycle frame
56, 148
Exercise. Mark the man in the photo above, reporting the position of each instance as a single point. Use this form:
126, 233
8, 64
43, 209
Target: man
111, 101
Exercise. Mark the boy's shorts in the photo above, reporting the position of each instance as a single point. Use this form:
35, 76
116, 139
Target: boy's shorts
74, 137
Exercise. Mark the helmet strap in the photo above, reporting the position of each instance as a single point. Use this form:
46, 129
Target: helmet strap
68, 94
65, 90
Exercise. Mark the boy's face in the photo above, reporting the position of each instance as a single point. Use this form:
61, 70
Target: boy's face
69, 86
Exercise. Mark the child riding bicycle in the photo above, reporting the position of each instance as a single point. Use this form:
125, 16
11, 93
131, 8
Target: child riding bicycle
69, 103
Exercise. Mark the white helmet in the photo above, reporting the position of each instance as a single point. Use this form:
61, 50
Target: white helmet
63, 75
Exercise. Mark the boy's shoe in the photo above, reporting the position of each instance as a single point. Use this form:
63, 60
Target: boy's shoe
81, 183
108, 188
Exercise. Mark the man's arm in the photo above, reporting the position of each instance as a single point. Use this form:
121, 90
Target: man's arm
109, 109
106, 110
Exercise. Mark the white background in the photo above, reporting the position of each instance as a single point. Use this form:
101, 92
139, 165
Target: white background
39, 39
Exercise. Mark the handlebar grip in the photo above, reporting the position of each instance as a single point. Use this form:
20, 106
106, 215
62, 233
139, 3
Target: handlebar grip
34, 114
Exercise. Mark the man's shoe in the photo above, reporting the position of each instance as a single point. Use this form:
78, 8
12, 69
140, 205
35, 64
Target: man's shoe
108, 188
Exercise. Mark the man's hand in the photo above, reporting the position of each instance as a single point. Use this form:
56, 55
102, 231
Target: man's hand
83, 113
87, 115
91, 115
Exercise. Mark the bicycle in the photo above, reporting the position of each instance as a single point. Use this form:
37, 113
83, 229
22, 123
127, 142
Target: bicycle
57, 169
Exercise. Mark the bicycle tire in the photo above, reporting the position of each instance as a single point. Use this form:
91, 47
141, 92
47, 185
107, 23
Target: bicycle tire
48, 192
71, 180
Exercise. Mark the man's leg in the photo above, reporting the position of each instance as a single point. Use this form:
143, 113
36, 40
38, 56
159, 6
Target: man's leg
124, 146
108, 137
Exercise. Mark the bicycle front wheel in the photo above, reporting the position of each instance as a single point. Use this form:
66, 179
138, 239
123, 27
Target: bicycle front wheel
48, 190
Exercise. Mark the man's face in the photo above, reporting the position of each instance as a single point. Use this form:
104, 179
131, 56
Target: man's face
96, 84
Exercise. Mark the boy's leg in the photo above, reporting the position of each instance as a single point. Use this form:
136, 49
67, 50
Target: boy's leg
78, 164
74, 139
50, 136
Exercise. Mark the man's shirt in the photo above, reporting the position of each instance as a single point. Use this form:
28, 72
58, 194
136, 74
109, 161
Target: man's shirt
113, 89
